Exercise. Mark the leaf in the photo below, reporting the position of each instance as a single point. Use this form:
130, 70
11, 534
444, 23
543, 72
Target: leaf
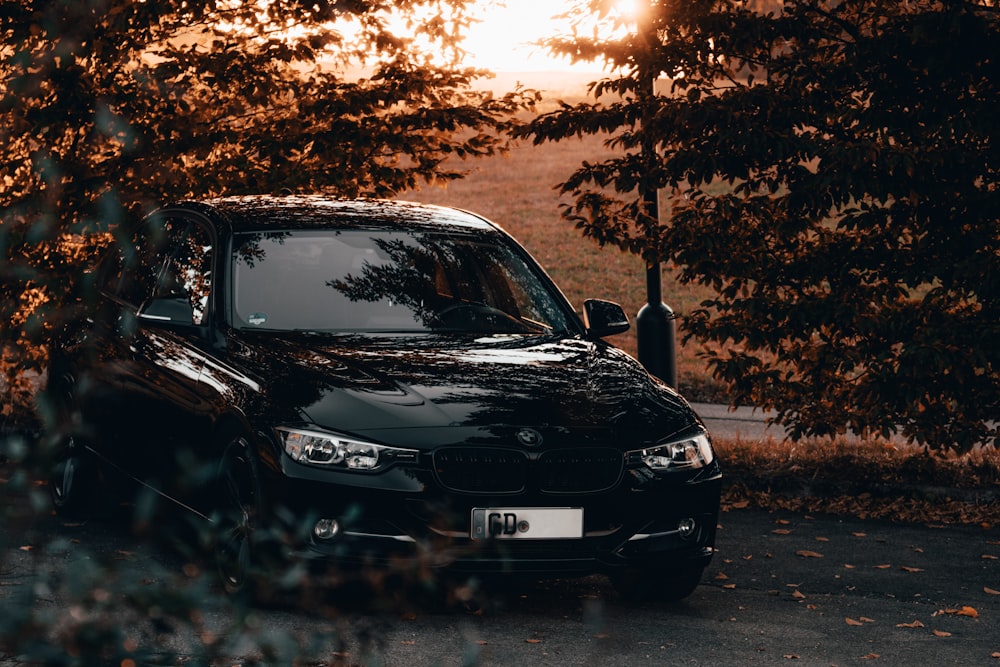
532, 641
851, 621
963, 611
805, 553
871, 656
858, 534
990, 591
798, 595
865, 619
884, 566
781, 531
905, 568
990, 557
941, 633
791, 656
914, 624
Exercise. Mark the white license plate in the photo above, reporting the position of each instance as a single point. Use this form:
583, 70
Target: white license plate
527, 523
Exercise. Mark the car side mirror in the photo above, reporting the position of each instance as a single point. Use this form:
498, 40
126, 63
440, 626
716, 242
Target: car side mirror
604, 318
168, 310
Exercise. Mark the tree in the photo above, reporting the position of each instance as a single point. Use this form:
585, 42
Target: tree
831, 172
110, 107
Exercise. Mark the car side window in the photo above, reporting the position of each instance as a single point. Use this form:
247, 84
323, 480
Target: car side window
169, 257
188, 271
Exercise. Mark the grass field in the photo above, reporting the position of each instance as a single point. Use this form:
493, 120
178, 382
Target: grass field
517, 191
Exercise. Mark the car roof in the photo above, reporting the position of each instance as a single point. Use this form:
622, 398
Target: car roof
254, 213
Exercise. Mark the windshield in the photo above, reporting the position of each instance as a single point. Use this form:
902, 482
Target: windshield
381, 281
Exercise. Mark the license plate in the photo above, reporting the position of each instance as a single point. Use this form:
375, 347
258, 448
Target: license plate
527, 523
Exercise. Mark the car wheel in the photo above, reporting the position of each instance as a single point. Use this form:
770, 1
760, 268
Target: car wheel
237, 515
72, 480
653, 584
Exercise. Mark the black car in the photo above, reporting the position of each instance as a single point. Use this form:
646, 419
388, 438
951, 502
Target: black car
379, 383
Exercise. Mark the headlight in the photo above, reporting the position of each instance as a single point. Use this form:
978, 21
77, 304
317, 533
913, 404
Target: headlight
686, 454
335, 451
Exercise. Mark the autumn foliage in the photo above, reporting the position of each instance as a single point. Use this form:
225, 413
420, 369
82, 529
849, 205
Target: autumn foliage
830, 171
109, 108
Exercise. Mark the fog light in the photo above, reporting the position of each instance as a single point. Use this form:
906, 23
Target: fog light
685, 528
326, 529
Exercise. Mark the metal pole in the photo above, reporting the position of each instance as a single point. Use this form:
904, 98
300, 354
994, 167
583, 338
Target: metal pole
654, 325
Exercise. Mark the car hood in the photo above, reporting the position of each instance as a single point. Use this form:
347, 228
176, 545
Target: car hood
424, 391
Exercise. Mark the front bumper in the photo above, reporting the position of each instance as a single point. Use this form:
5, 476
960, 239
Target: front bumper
404, 520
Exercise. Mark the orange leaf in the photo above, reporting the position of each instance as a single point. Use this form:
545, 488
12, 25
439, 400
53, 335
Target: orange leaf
867, 620
805, 553
990, 557
851, 621
859, 534
848, 566
781, 531
729, 587
883, 567
533, 641
798, 595
822, 539
914, 624
941, 633
968, 611
871, 656
721, 576
904, 568
990, 591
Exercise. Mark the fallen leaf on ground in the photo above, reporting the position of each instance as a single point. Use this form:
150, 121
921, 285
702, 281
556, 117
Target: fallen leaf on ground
781, 531
851, 621
859, 534
533, 641
914, 624
995, 654
941, 633
729, 587
27, 547
905, 568
805, 553
990, 591
791, 656
849, 566
865, 619
871, 656
721, 576
884, 566
408, 642
822, 539
990, 557
798, 595
964, 611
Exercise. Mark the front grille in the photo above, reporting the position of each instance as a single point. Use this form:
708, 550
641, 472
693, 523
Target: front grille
579, 470
507, 471
481, 470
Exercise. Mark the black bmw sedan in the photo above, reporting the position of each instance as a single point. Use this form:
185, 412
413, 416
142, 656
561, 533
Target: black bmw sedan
378, 383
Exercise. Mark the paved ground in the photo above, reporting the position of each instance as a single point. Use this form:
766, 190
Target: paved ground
785, 588
739, 424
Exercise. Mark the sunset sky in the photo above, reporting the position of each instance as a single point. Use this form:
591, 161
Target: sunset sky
503, 41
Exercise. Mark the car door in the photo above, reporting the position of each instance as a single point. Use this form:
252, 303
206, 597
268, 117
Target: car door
153, 360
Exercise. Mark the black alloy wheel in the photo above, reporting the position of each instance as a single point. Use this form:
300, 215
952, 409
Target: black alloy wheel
237, 515
72, 481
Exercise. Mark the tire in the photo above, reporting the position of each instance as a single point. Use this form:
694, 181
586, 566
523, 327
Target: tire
237, 517
73, 481
652, 584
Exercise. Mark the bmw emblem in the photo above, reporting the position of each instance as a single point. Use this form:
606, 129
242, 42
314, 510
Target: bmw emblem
529, 437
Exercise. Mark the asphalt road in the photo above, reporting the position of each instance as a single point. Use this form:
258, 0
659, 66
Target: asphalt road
784, 589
